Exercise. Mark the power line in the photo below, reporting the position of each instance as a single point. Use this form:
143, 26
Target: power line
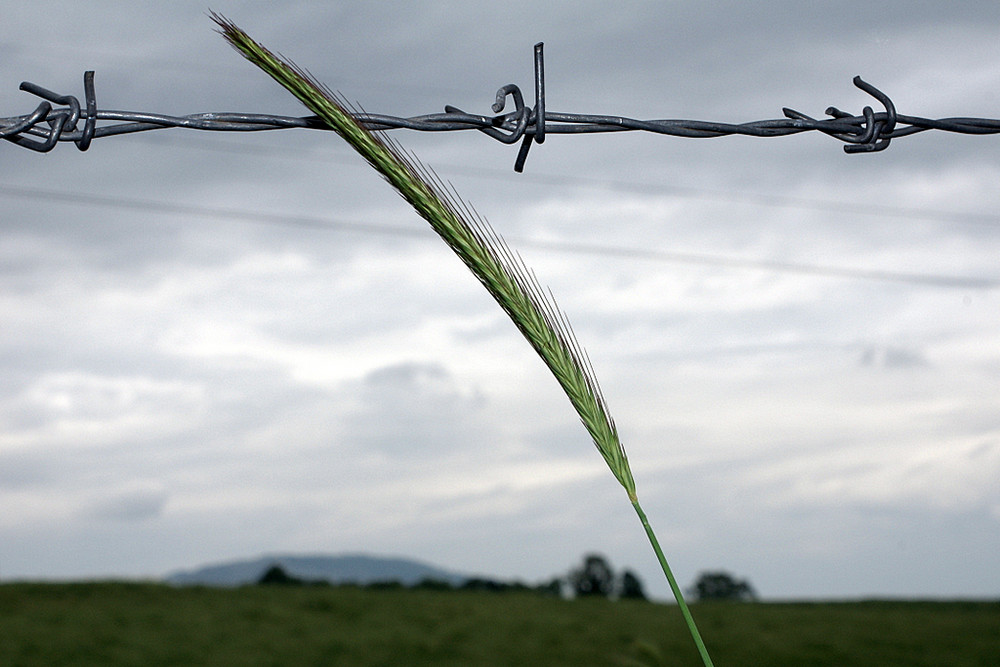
763, 199
653, 255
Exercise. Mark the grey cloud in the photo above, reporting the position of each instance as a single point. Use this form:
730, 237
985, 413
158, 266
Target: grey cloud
411, 410
137, 502
730, 382
891, 357
23, 469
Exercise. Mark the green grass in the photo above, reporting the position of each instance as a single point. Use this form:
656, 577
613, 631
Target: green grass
149, 624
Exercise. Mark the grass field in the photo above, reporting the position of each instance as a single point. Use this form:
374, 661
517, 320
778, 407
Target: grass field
149, 624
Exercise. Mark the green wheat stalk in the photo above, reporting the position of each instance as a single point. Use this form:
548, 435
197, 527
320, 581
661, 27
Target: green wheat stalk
501, 271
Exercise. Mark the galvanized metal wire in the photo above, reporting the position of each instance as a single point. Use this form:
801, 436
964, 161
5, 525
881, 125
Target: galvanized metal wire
871, 131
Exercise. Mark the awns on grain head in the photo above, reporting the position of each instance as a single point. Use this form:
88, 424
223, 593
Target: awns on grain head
500, 270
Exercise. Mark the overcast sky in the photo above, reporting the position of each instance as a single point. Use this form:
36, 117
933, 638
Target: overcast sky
215, 346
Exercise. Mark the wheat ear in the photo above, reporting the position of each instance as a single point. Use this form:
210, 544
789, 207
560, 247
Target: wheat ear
501, 271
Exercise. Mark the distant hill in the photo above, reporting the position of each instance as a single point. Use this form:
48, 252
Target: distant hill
348, 568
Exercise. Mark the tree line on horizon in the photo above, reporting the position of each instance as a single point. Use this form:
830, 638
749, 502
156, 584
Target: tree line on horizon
593, 578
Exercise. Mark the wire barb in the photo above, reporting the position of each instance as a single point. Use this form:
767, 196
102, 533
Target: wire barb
872, 131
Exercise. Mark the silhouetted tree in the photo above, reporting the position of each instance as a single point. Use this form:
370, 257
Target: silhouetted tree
594, 578
552, 587
276, 575
431, 584
483, 584
631, 586
722, 586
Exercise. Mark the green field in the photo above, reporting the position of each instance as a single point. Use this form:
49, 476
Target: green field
149, 624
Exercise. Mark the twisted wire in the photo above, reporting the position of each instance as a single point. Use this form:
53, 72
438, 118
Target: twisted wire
871, 131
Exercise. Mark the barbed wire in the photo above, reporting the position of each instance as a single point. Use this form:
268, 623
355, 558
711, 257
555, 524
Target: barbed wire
869, 132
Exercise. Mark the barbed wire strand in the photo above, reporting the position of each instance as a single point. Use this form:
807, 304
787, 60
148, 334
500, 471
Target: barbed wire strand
868, 132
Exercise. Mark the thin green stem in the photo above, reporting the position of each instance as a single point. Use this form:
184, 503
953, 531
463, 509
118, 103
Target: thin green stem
685, 612
498, 268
